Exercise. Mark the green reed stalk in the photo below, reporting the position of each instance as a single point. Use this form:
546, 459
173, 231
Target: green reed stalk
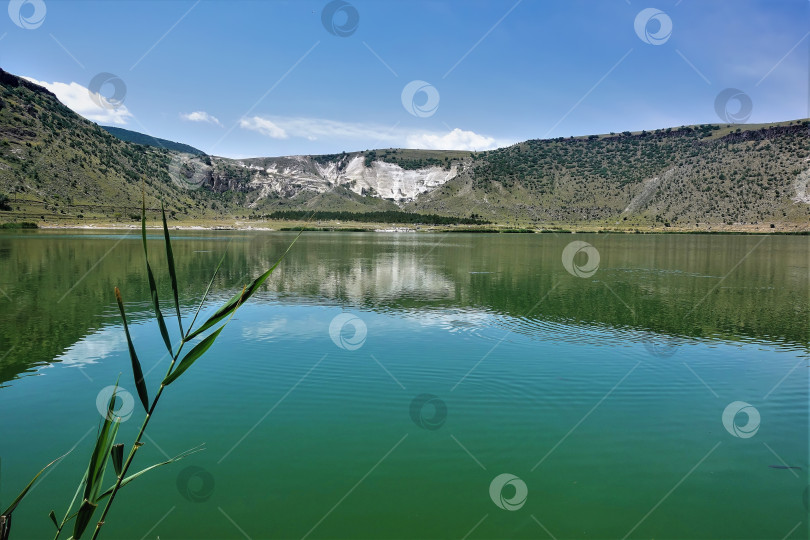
105, 445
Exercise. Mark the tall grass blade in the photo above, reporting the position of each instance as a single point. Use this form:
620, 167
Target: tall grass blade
172, 273
140, 384
132, 477
152, 286
5, 527
192, 356
52, 515
117, 455
143, 226
164, 332
234, 302
68, 515
97, 466
98, 460
83, 518
24, 492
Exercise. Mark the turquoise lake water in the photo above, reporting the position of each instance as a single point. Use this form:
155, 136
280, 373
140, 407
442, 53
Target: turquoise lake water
422, 386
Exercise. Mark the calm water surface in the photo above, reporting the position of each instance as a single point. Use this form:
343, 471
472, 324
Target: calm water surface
451, 360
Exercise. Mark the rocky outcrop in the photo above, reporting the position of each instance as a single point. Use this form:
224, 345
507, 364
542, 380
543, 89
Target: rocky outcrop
288, 176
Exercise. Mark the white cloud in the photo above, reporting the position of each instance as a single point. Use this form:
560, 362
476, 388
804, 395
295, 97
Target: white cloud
263, 126
265, 330
314, 128
80, 100
367, 134
94, 347
201, 116
457, 139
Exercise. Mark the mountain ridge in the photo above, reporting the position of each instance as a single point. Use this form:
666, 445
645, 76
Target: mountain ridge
141, 138
57, 166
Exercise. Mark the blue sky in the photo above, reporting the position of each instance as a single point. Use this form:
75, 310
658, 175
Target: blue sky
268, 78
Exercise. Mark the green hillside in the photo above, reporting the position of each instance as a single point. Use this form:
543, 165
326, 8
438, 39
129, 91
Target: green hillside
701, 174
56, 167
148, 140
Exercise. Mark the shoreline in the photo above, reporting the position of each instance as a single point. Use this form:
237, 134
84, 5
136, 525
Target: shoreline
283, 226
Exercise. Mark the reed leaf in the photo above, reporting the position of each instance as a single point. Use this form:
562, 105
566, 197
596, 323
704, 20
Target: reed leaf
83, 518
172, 273
192, 356
96, 468
5, 526
143, 225
24, 492
231, 305
164, 332
68, 515
132, 477
140, 384
98, 460
117, 455
52, 515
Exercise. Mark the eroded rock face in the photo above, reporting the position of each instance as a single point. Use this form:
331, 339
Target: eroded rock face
289, 176
390, 181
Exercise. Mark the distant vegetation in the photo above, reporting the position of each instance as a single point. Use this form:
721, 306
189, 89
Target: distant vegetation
724, 175
21, 225
55, 165
374, 217
148, 140
415, 159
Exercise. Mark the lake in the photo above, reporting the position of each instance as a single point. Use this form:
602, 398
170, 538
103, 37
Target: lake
421, 386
